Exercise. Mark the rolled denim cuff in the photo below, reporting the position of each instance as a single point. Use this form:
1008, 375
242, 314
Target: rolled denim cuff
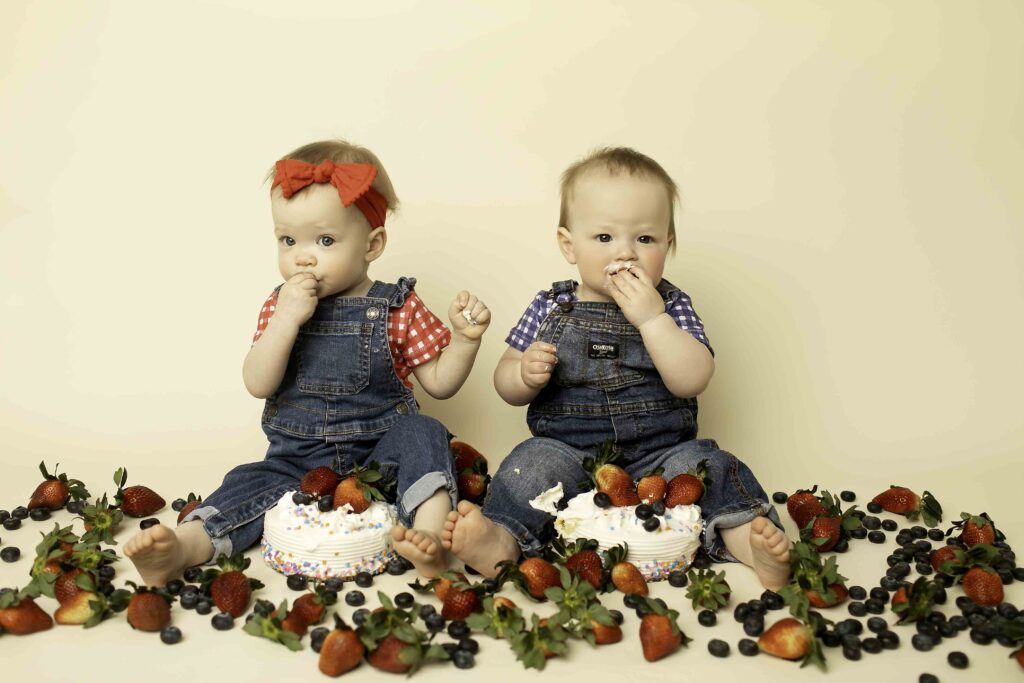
713, 542
221, 544
422, 489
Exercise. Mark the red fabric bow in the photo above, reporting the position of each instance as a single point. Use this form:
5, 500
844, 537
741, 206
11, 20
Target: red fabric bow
354, 183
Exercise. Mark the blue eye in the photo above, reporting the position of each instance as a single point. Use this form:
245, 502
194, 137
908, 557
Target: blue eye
287, 241
604, 237
325, 240
645, 239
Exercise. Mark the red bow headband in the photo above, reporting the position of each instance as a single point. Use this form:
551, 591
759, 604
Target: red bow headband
354, 183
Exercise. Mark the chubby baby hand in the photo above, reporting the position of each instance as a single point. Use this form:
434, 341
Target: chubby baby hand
636, 295
297, 299
538, 362
469, 316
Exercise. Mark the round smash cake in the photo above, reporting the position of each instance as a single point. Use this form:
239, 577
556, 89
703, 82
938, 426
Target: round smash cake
301, 539
655, 553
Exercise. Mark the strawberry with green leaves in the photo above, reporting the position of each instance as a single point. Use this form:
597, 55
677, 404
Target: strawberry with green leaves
688, 487
623, 575
813, 582
273, 628
540, 642
803, 506
101, 521
582, 559
792, 639
392, 641
135, 501
532, 576
914, 603
470, 470
977, 529
976, 574
88, 607
652, 487
498, 617
660, 634
827, 528
900, 500
228, 586
55, 490
361, 486
341, 651
149, 608
52, 553
708, 589
461, 599
20, 615
609, 477
310, 607
580, 612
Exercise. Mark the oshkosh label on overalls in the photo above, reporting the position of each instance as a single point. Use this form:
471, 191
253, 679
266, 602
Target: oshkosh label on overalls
602, 350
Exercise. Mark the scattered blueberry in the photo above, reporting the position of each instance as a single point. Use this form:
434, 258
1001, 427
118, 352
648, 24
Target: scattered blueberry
1018, 573
616, 616
857, 609
853, 654
490, 585
848, 496
701, 560
652, 524
890, 525
434, 622
772, 600
753, 625
355, 598
747, 647
12, 523
39, 514
463, 659
830, 639
20, 512
707, 617
871, 523
602, 499
316, 638
858, 593
780, 497
300, 498
360, 616
404, 600
297, 582
877, 624
264, 608
105, 587
631, 600
860, 533
922, 643
677, 578
193, 574
204, 606
178, 504
458, 629
741, 612
426, 610
718, 648
148, 522
980, 637
170, 635
469, 645
10, 554
874, 606
189, 600
874, 508
364, 579
174, 586
223, 621
927, 678
659, 507
4, 516
335, 584
876, 536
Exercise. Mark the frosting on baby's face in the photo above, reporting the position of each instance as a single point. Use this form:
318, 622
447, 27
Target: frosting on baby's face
617, 266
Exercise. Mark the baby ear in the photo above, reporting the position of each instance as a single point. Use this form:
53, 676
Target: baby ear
564, 236
376, 240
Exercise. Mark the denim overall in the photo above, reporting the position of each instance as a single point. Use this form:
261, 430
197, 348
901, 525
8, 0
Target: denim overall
339, 404
605, 387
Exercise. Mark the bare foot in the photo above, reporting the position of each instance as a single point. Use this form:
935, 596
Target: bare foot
476, 540
770, 553
157, 553
422, 548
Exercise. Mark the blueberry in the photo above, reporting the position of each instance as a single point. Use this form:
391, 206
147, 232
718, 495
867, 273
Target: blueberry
631, 600
841, 546
877, 624
718, 648
874, 606
889, 640
1007, 610
426, 611
851, 653
355, 598
857, 593
747, 647
662, 603
658, 507
204, 606
326, 503
335, 584
174, 586
458, 629
853, 626
39, 514
75, 507
677, 578
874, 508
756, 607
652, 524
189, 600
20, 512
644, 511
469, 645
741, 612
223, 621
772, 600
170, 635
10, 554
860, 533
980, 637
848, 496
947, 630
1018, 573
364, 579
602, 499
12, 523
616, 616
434, 622
879, 593
463, 659
178, 504
404, 600
193, 574
936, 534
360, 616
889, 524
876, 536
297, 582
264, 608
707, 618
927, 678
780, 497
830, 639
450, 648
396, 568
959, 622
753, 625
300, 498
701, 560
922, 643
4, 516
871, 523
105, 587
857, 609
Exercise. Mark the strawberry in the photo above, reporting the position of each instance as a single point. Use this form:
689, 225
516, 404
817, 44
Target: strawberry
535, 645
390, 655
360, 486
77, 610
341, 650
439, 584
708, 589
946, 553
609, 477
624, 575
467, 458
55, 490
461, 600
51, 555
687, 488
311, 606
983, 585
319, 481
135, 501
533, 576
101, 521
191, 504
827, 528
902, 501
67, 585
149, 609
20, 615
498, 616
280, 626
915, 603
803, 506
790, 638
605, 634
228, 587
472, 486
836, 594
976, 529
652, 487
812, 582
293, 623
660, 634
581, 559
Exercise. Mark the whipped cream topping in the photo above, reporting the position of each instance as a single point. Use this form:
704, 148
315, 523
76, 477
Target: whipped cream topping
547, 500
583, 518
306, 527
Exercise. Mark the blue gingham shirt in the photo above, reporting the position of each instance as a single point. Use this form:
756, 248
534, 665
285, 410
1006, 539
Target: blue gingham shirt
677, 305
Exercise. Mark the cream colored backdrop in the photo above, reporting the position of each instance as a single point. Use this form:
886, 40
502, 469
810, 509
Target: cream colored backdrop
850, 231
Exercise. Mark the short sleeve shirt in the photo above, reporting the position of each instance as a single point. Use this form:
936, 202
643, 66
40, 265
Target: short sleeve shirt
677, 305
415, 335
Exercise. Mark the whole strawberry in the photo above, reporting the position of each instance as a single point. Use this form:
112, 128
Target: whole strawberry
191, 503
803, 506
310, 607
687, 488
827, 528
652, 487
660, 634
533, 576
914, 603
581, 559
460, 600
55, 490
792, 639
623, 574
341, 650
149, 609
228, 587
472, 485
708, 589
983, 585
135, 501
609, 478
319, 481
20, 615
902, 501
977, 529
467, 458
361, 486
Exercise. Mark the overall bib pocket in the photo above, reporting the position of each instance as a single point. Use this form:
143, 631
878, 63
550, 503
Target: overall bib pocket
333, 357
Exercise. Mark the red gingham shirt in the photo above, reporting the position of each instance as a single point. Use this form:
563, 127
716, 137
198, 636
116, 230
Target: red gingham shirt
415, 335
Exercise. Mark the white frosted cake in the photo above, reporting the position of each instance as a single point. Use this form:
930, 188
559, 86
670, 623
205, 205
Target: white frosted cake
300, 539
655, 553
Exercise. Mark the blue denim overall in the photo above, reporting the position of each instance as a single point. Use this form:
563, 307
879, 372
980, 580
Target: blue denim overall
605, 387
339, 404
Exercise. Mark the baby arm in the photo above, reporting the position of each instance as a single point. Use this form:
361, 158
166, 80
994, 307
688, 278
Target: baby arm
520, 375
685, 365
443, 376
267, 360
